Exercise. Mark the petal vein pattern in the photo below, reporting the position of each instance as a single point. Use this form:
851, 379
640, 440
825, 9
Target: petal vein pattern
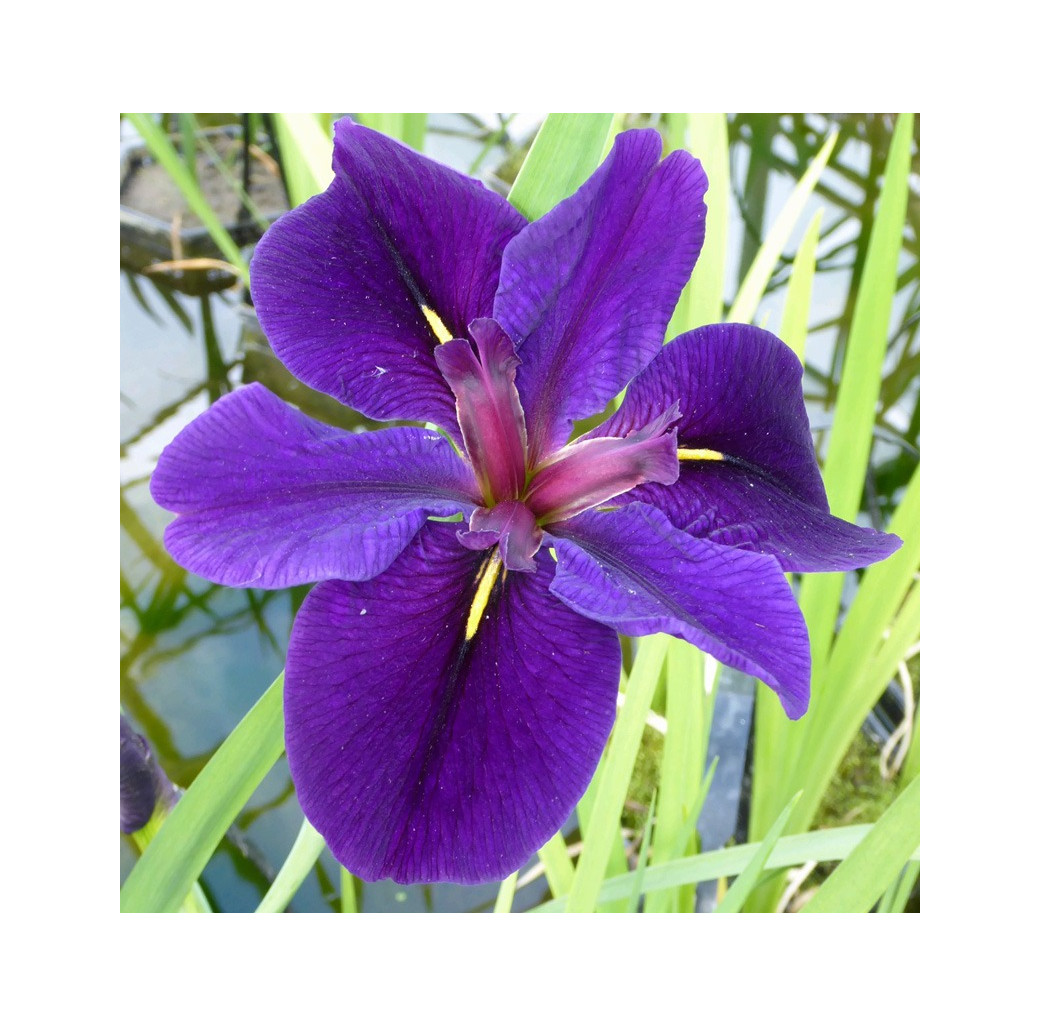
421, 756
586, 291
340, 282
269, 498
740, 392
632, 569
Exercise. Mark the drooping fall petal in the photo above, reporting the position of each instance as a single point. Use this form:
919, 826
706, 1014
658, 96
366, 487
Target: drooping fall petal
420, 754
633, 570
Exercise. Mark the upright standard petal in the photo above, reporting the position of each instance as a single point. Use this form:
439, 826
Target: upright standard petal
357, 287
423, 754
748, 471
587, 291
634, 571
269, 498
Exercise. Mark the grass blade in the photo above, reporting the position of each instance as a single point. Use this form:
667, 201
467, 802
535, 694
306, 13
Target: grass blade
348, 891
173, 861
882, 589
683, 756
875, 862
750, 293
309, 844
898, 894
848, 447
306, 151
644, 851
233, 181
684, 897
559, 870
617, 771
882, 623
706, 136
817, 846
794, 325
504, 901
744, 884
617, 859
567, 149
771, 725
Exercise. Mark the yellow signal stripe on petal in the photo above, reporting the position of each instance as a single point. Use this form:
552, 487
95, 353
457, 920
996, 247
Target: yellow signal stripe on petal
700, 454
487, 581
442, 333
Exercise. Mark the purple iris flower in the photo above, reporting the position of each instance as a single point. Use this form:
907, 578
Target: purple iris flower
450, 686
142, 783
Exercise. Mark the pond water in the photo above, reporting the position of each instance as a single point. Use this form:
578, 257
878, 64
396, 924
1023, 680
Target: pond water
195, 657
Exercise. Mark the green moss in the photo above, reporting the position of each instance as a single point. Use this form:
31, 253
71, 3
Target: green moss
857, 794
645, 777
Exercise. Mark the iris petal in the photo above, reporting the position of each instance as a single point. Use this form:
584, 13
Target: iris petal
740, 393
740, 506
269, 498
586, 291
340, 282
634, 571
422, 757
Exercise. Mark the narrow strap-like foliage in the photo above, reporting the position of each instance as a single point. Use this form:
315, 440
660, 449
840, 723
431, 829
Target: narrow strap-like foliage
567, 149
816, 846
641, 860
751, 290
506, 892
305, 146
876, 861
852, 433
794, 325
559, 870
173, 861
772, 727
309, 844
688, 710
348, 901
898, 894
744, 884
617, 771
706, 136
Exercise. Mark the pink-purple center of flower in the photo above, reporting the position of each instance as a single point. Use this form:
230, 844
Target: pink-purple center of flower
524, 490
